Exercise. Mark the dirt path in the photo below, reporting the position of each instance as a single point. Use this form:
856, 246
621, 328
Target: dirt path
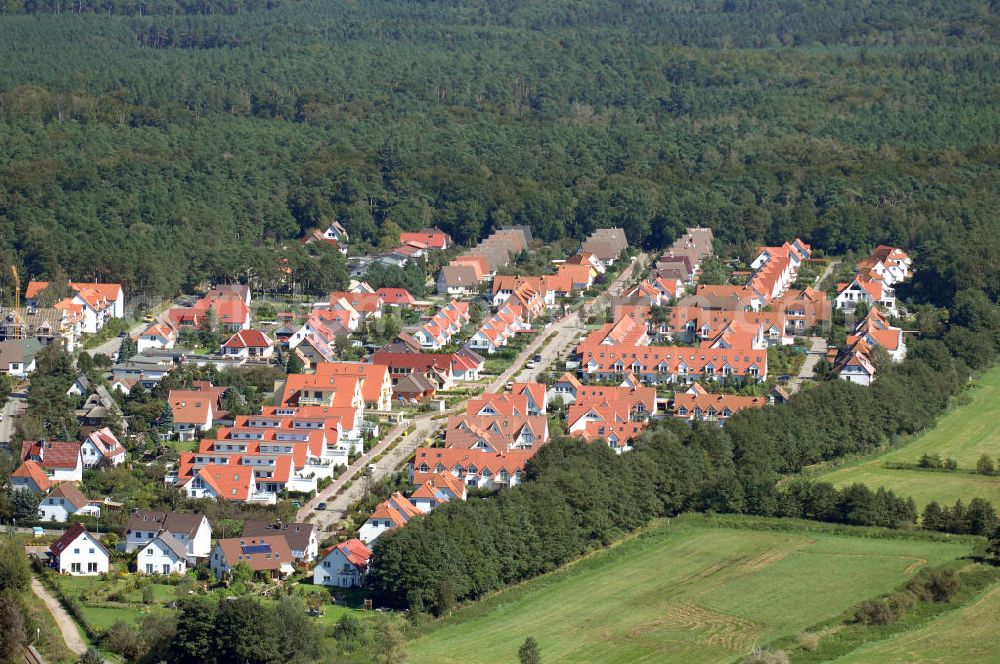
70, 633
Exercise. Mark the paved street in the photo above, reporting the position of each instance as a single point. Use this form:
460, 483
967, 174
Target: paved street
111, 346
14, 405
567, 330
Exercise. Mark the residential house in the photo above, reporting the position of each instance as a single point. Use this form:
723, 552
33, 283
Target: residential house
60, 460
163, 555
79, 553
79, 387
248, 344
435, 366
703, 407
607, 244
17, 357
267, 555
414, 387
65, 501
29, 476
191, 530
457, 280
194, 411
875, 329
438, 490
496, 433
854, 364
395, 297
157, 335
395, 512
302, 538
475, 468
869, 291
431, 238
343, 565
101, 447
98, 303
46, 325
230, 482
616, 435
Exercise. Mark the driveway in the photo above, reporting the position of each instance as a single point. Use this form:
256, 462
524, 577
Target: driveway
68, 628
817, 351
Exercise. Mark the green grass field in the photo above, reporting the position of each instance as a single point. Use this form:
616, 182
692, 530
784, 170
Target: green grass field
964, 434
969, 634
682, 592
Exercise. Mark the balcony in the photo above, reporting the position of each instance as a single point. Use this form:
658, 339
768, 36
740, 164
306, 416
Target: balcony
263, 498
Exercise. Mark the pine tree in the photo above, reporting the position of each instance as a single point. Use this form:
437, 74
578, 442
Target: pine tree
294, 365
127, 348
166, 419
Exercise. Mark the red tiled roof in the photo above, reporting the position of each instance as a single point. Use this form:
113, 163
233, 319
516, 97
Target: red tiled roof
31, 470
53, 453
191, 406
354, 550
248, 339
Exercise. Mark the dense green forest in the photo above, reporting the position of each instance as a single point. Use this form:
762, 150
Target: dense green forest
164, 143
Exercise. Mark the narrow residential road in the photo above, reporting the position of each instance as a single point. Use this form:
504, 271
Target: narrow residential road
70, 632
111, 346
826, 273
566, 328
15, 404
817, 351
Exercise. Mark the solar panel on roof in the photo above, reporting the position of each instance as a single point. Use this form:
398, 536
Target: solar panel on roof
257, 548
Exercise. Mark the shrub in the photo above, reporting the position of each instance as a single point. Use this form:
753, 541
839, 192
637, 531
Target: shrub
808, 641
122, 639
875, 612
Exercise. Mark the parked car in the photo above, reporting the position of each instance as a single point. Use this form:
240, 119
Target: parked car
530, 364
371, 469
321, 507
538, 358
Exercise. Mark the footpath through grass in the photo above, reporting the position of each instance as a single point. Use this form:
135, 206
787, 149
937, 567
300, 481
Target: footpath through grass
965, 433
695, 589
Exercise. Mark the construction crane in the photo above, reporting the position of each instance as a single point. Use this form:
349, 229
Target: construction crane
17, 287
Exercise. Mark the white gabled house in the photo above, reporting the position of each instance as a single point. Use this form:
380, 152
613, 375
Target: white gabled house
60, 460
343, 565
389, 514
164, 555
156, 336
65, 501
102, 446
191, 530
78, 552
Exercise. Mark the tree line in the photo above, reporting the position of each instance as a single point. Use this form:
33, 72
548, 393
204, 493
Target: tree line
246, 130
